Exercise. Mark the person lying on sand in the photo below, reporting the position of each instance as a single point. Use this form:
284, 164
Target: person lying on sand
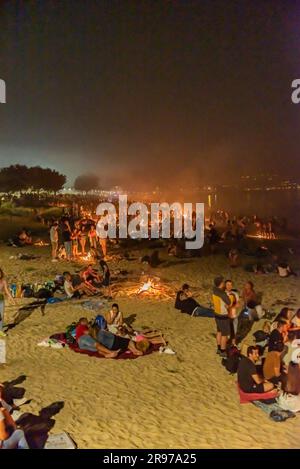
187, 304
86, 342
115, 342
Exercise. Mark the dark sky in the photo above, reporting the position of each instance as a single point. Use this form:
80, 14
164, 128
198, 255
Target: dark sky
151, 91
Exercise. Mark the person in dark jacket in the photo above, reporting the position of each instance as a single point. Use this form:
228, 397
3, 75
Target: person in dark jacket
187, 304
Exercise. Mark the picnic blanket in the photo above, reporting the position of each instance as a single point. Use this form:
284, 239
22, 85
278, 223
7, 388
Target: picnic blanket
91, 305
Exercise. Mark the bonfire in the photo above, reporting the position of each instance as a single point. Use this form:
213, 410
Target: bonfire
87, 258
41, 243
147, 287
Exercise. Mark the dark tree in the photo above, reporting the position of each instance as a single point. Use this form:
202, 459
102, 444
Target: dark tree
86, 183
13, 178
20, 178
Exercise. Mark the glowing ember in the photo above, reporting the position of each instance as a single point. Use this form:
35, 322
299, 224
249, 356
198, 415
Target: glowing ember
88, 257
146, 286
41, 243
149, 287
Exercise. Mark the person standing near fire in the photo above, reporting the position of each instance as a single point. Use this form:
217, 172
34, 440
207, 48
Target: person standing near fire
54, 240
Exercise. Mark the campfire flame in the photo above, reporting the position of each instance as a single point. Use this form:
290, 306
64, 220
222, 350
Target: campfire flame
146, 286
88, 257
41, 243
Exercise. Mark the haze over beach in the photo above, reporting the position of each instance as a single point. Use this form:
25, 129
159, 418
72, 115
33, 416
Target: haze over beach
147, 343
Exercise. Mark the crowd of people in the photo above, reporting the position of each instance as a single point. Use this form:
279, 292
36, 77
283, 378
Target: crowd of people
71, 238
277, 346
280, 363
109, 335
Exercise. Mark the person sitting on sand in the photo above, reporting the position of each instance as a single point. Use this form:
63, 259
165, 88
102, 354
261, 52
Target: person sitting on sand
233, 257
74, 291
289, 347
23, 238
86, 342
286, 314
106, 278
292, 384
114, 318
153, 260
248, 379
91, 275
187, 304
88, 283
249, 293
250, 299
284, 270
10, 436
273, 368
296, 320
279, 335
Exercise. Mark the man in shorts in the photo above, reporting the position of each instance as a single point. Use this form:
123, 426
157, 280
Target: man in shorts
248, 379
221, 302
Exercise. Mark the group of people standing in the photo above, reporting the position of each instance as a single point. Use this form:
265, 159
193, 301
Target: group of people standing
76, 236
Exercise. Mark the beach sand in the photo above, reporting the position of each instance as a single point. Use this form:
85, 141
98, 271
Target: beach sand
158, 401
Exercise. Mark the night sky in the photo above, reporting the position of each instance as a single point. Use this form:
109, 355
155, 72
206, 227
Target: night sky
149, 93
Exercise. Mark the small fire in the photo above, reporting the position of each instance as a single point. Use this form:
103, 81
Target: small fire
88, 257
41, 243
146, 286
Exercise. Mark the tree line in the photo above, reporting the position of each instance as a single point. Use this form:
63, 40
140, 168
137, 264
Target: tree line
22, 178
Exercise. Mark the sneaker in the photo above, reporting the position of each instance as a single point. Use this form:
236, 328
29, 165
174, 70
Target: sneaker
218, 351
19, 402
2, 334
223, 354
169, 351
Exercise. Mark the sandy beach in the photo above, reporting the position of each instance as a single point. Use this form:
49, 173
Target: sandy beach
157, 401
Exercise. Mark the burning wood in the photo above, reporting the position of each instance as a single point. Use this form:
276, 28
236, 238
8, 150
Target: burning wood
88, 257
146, 286
150, 287
41, 243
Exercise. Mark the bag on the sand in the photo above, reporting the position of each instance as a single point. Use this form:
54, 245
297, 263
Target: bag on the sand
100, 322
260, 336
28, 291
289, 402
71, 333
232, 361
43, 293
